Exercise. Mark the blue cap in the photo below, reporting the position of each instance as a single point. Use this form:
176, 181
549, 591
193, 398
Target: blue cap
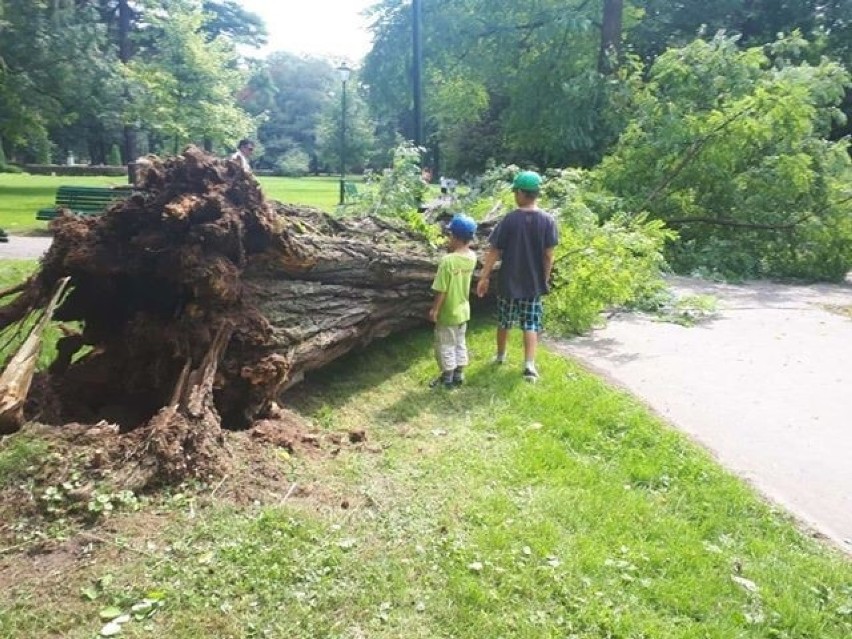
462, 226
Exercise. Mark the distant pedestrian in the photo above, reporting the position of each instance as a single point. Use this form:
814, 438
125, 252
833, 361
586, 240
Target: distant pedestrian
451, 308
423, 188
244, 152
451, 187
523, 241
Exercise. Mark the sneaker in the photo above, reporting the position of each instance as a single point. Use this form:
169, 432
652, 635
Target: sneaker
458, 377
441, 381
530, 374
499, 361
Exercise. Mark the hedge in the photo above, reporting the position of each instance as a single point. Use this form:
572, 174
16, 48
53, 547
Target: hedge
75, 170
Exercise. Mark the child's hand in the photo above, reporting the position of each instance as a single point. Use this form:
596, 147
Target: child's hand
433, 315
482, 287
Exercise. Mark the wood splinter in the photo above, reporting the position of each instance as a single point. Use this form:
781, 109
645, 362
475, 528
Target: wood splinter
17, 377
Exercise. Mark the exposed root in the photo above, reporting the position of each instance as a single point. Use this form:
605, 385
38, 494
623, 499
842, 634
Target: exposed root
155, 282
17, 377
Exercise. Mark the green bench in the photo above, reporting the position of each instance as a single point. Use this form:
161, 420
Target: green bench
350, 192
83, 200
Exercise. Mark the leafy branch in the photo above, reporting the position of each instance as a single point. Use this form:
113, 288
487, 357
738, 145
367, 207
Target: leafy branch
691, 154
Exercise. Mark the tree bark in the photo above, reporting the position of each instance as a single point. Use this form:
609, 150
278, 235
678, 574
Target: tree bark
125, 52
611, 28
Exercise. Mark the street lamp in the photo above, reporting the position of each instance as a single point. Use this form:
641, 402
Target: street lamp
344, 72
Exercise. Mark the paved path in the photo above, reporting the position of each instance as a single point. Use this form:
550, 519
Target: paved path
24, 247
766, 386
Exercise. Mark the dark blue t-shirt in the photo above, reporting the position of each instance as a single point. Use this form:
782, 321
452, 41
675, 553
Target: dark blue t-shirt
522, 237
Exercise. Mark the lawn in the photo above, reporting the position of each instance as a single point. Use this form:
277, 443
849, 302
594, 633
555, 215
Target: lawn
22, 195
12, 272
501, 509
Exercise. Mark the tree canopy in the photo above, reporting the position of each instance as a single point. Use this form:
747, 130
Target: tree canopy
70, 81
542, 83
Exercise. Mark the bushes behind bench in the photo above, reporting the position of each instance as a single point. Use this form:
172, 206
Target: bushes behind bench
75, 170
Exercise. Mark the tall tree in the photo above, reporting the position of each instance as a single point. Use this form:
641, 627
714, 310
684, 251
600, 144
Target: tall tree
548, 69
535, 64
230, 19
184, 90
62, 87
611, 34
125, 25
359, 142
291, 92
51, 58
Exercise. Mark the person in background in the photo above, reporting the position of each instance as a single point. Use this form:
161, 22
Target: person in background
244, 151
423, 188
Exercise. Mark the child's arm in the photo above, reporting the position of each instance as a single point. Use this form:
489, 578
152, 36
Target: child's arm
488, 265
548, 263
436, 306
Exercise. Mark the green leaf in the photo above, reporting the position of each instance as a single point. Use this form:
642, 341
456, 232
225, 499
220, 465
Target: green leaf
110, 613
90, 593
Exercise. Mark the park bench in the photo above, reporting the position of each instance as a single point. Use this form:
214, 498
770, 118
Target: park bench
83, 200
350, 192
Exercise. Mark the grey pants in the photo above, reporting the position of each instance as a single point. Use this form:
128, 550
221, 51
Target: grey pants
450, 347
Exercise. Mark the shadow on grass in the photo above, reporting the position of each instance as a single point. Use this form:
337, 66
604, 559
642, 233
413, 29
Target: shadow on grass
360, 370
408, 355
484, 383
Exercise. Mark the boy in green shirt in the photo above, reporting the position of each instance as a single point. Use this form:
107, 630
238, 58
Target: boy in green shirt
451, 309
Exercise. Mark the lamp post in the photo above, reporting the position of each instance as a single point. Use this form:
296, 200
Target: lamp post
344, 72
417, 70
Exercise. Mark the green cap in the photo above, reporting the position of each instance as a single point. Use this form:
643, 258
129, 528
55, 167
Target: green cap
527, 181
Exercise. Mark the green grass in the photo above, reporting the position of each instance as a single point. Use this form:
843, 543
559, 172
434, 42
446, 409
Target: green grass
18, 455
502, 509
320, 192
22, 195
12, 272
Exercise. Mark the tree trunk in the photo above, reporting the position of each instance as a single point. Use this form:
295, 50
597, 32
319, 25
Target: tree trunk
155, 280
613, 12
125, 52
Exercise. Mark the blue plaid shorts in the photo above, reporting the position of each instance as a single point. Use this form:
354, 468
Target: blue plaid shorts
528, 313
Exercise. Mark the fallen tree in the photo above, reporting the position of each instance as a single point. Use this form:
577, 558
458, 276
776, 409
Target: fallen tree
198, 302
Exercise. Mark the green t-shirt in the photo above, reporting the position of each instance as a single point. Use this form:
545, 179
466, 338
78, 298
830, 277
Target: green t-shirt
454, 274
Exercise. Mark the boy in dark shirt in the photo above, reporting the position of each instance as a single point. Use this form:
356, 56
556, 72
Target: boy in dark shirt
523, 241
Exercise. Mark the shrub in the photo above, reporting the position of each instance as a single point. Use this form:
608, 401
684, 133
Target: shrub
728, 146
4, 166
397, 191
294, 163
114, 156
76, 170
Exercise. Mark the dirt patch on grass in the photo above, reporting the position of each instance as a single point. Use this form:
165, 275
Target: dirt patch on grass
70, 481
45, 566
